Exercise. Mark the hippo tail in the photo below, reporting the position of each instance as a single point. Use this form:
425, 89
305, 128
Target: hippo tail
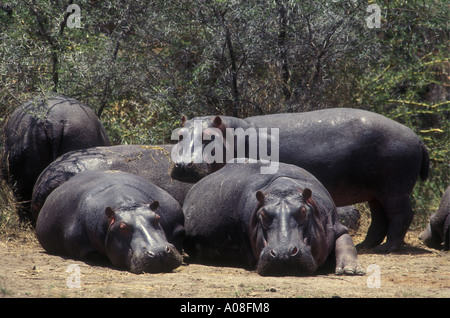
425, 162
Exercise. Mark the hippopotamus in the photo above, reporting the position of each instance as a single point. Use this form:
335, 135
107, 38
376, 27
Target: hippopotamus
349, 216
135, 224
437, 233
281, 224
359, 156
150, 162
41, 130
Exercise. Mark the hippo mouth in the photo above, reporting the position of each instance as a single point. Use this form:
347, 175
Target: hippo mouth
160, 260
297, 261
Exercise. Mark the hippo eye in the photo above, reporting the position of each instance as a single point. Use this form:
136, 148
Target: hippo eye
265, 219
301, 215
156, 219
124, 228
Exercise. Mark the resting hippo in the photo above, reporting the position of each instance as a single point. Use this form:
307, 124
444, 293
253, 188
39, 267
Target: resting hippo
437, 233
284, 223
357, 155
116, 214
41, 130
349, 216
150, 162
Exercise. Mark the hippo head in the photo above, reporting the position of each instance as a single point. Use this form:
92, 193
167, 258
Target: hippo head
136, 241
286, 235
201, 148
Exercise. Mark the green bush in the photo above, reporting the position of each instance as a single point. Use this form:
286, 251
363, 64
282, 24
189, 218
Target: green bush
141, 66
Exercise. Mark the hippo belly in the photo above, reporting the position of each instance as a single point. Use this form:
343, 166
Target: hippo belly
133, 223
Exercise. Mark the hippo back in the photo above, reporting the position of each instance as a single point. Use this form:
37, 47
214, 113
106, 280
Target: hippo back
41, 130
347, 141
150, 162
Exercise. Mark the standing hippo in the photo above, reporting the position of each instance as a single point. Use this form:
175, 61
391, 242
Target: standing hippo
38, 132
284, 223
150, 162
357, 155
437, 233
135, 224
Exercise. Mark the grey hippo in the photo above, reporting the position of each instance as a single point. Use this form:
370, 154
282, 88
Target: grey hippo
153, 163
359, 156
134, 224
38, 132
437, 233
281, 224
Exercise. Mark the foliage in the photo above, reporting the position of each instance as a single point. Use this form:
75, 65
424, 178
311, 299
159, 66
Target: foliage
142, 65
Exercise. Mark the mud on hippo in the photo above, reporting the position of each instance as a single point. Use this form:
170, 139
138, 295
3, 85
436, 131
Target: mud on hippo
282, 224
135, 224
357, 155
39, 131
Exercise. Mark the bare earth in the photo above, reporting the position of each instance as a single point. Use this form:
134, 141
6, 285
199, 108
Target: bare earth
26, 270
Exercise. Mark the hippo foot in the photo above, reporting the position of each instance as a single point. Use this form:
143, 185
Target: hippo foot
346, 257
350, 269
388, 247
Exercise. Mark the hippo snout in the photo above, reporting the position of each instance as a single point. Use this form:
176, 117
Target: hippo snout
284, 254
158, 259
294, 259
183, 165
190, 171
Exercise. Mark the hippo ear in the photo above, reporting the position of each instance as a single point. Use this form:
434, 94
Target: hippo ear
260, 196
217, 121
184, 119
110, 214
154, 205
307, 194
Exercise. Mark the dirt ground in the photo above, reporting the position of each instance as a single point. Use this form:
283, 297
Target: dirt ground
26, 270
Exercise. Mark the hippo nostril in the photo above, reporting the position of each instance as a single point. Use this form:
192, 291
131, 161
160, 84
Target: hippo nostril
272, 253
189, 165
167, 249
294, 251
151, 254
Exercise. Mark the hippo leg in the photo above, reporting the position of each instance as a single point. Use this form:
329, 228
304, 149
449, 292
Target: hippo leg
400, 216
430, 238
346, 257
378, 227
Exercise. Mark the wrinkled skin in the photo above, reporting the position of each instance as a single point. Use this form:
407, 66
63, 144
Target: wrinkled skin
437, 233
282, 224
117, 215
349, 216
357, 155
38, 132
150, 162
